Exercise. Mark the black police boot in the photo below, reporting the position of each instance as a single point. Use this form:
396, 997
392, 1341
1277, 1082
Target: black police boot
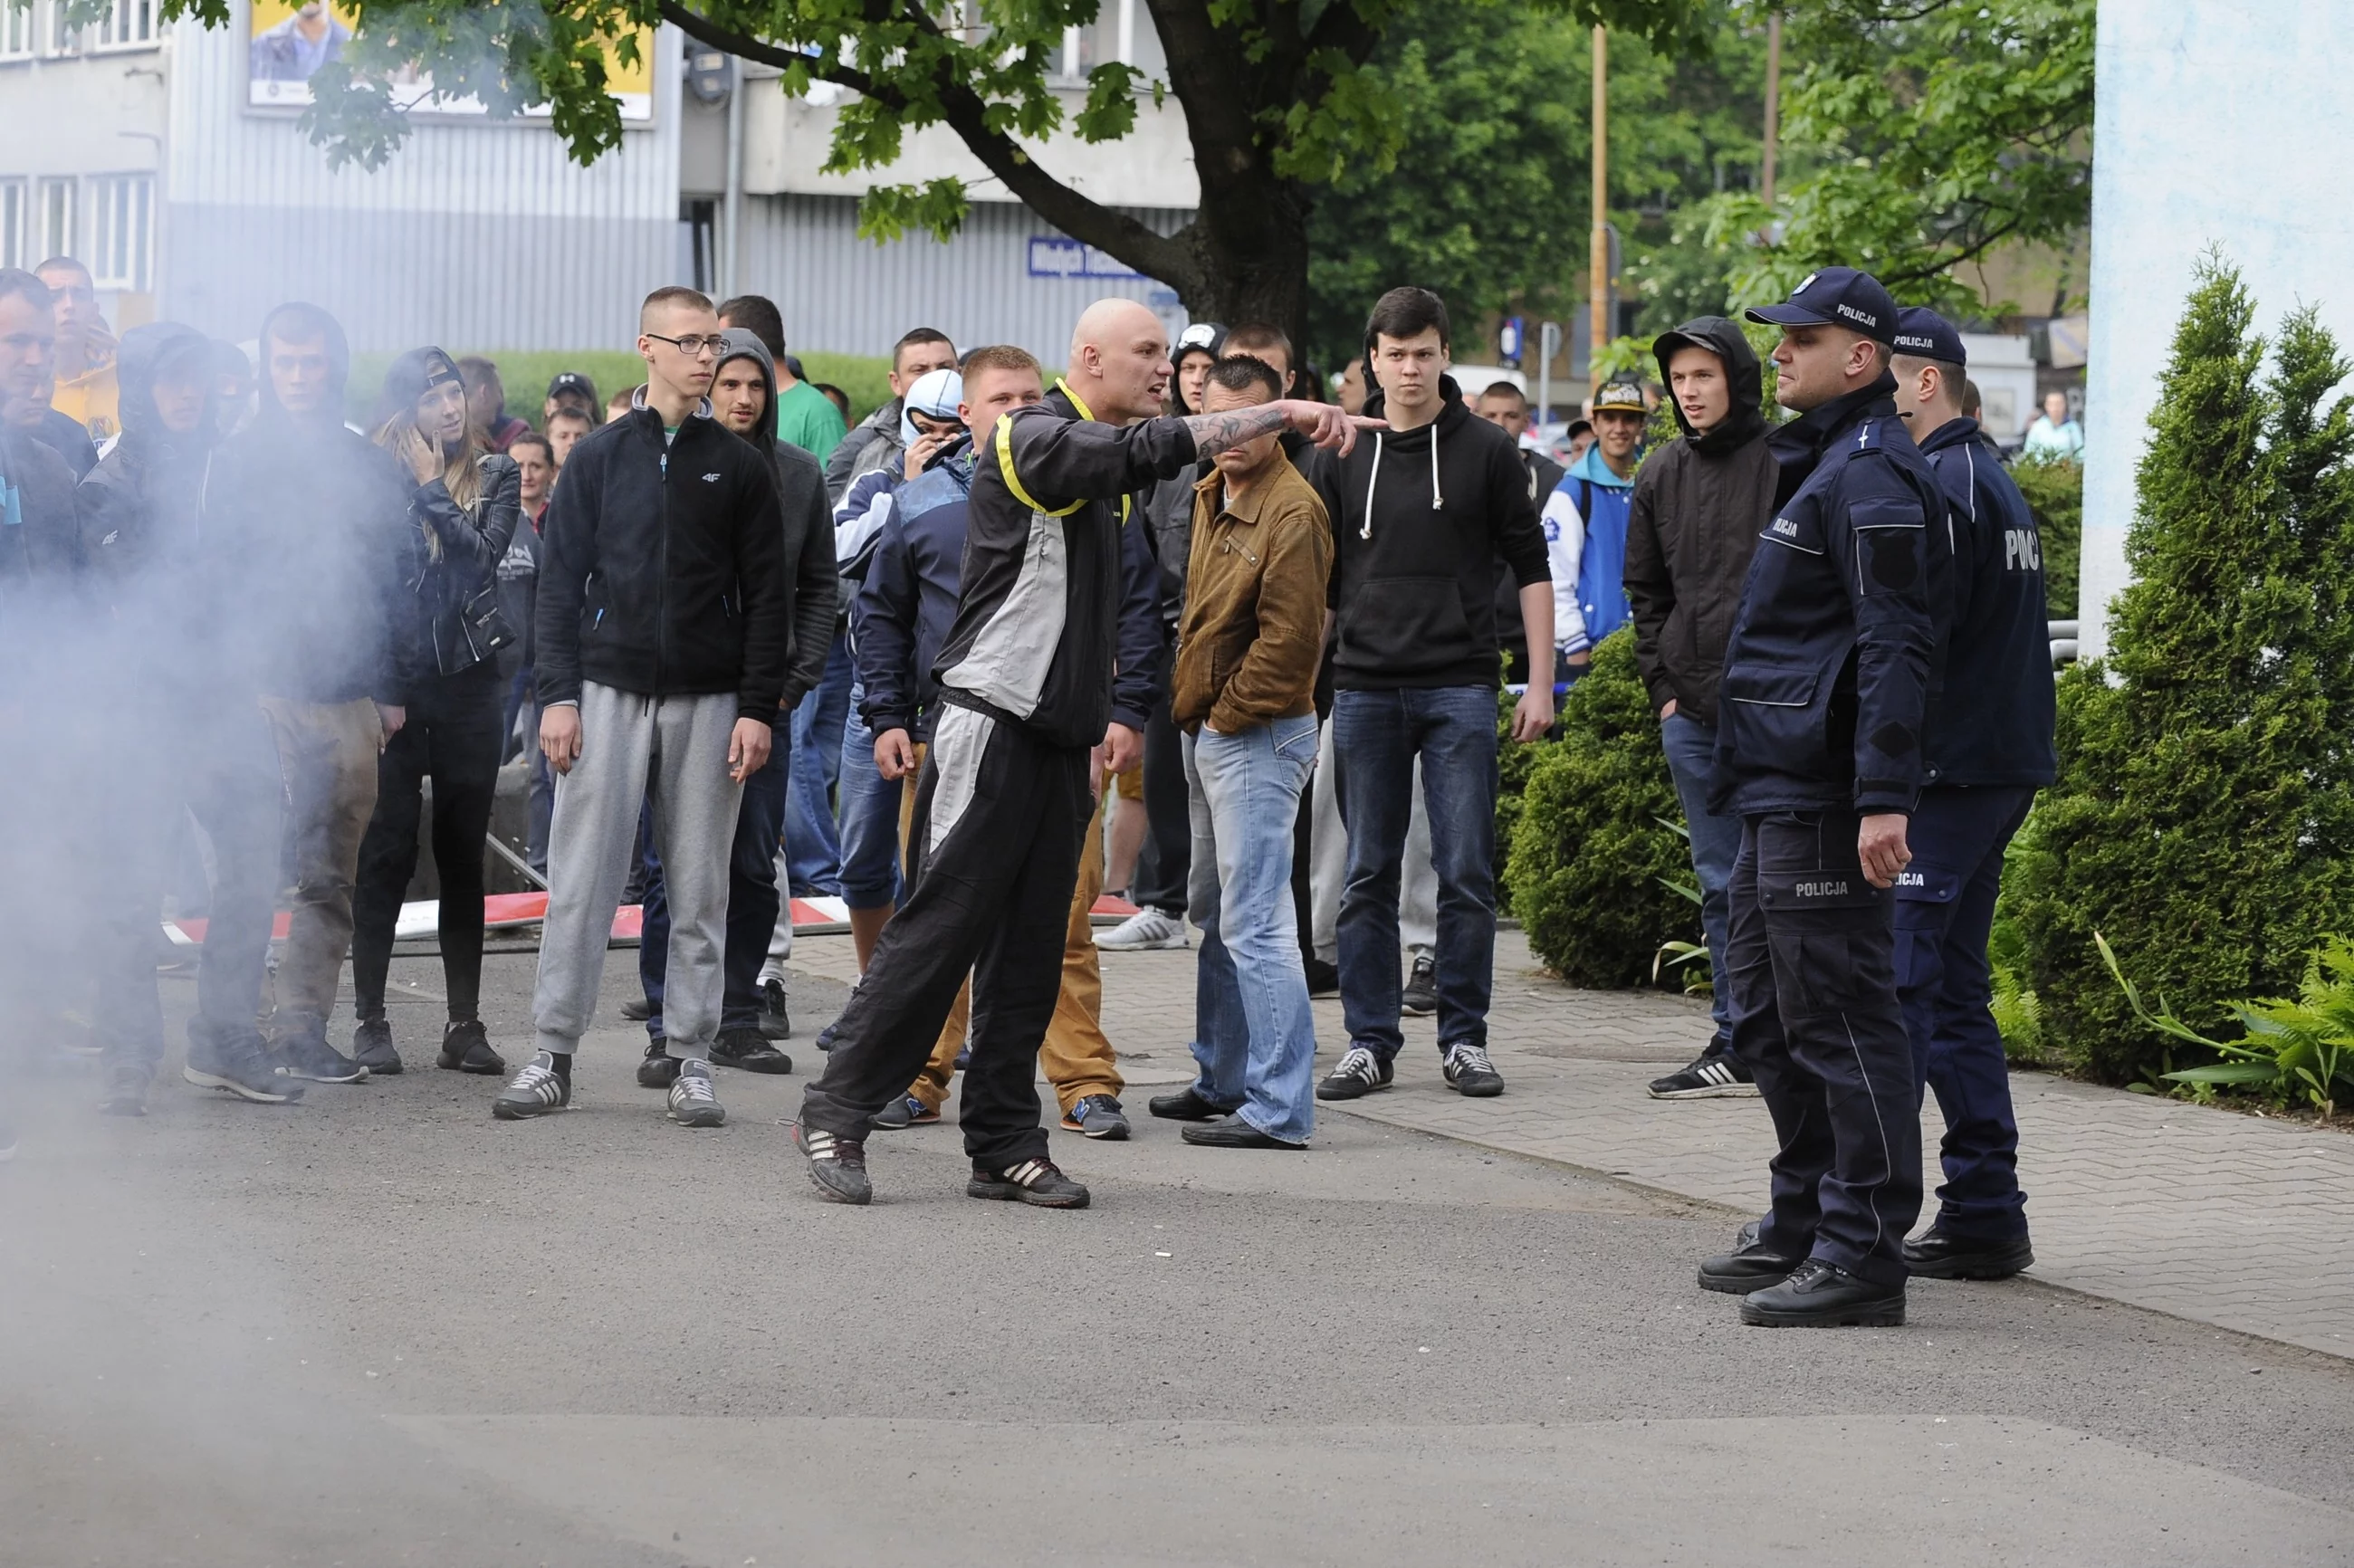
1934, 1255
1818, 1296
1750, 1266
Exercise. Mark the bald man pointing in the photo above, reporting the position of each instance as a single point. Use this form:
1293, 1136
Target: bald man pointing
1007, 789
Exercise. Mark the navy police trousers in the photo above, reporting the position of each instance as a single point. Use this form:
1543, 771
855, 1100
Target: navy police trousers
1810, 953
1944, 911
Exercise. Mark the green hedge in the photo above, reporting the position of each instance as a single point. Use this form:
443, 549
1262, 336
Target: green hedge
1592, 855
2056, 493
2203, 819
526, 375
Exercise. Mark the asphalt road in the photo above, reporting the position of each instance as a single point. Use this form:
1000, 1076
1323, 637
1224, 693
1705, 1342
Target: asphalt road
381, 1328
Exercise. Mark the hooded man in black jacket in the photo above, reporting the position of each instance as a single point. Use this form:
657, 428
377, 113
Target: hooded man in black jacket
165, 590
1988, 752
1691, 526
744, 398
311, 519
665, 629
1426, 508
1027, 697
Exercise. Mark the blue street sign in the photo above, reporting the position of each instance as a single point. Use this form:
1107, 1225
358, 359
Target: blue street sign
1508, 341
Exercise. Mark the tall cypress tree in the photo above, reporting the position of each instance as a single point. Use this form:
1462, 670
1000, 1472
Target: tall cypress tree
2203, 819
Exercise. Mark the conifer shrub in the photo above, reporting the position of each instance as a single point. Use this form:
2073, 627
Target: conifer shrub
2056, 493
1592, 856
2203, 818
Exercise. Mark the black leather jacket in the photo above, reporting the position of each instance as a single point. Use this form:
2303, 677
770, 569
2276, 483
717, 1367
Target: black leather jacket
472, 540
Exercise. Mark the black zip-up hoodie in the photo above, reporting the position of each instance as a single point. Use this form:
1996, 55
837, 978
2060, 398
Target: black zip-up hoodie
310, 519
662, 569
813, 585
1425, 515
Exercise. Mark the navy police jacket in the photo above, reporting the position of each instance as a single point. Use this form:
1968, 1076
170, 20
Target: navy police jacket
1994, 714
1829, 672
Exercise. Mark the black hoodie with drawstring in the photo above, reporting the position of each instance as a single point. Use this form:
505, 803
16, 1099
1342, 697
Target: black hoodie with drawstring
1425, 515
1692, 524
307, 521
812, 584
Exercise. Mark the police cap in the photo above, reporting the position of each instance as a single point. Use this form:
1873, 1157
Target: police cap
1836, 296
1924, 334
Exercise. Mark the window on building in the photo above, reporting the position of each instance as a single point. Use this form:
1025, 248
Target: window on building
16, 32
126, 24
123, 248
15, 219
54, 220
65, 37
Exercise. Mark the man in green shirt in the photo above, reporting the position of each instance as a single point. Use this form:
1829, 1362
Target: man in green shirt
805, 416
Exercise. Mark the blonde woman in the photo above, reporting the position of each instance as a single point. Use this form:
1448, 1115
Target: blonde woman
464, 510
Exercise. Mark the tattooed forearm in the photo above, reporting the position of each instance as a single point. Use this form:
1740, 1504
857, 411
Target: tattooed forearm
1216, 433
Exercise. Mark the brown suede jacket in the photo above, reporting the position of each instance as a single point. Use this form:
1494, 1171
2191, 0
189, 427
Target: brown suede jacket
1252, 633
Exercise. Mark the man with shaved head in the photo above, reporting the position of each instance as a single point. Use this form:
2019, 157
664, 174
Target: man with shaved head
1008, 785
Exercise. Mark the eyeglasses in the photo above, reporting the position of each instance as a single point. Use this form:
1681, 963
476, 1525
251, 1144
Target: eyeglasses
693, 345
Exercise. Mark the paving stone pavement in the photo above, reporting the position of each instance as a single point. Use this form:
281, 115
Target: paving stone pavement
2202, 1213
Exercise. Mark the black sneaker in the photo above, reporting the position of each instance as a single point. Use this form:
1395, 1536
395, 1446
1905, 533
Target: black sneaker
1716, 1075
1186, 1104
126, 1088
775, 1022
749, 1050
537, 1089
241, 1066
372, 1048
466, 1048
309, 1056
693, 1101
1469, 1073
1033, 1181
1097, 1116
1934, 1255
1420, 996
1323, 979
1358, 1074
637, 1010
659, 1068
898, 1115
1748, 1267
837, 1166
825, 1037
1818, 1296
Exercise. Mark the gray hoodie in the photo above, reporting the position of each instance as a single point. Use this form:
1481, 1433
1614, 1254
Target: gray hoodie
810, 579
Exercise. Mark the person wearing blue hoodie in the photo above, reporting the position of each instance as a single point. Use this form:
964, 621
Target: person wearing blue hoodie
1585, 522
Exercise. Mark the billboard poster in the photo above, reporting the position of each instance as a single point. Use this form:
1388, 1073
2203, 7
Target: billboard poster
290, 39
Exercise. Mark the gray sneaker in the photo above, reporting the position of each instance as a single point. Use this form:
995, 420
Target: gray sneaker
309, 1056
536, 1090
239, 1065
1143, 931
693, 1101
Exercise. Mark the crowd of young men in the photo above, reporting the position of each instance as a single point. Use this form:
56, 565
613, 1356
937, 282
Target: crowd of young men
767, 653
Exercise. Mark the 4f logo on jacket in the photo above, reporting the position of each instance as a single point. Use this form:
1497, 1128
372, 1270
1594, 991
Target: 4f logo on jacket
711, 479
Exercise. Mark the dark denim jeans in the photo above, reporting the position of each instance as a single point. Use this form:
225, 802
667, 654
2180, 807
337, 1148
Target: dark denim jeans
753, 898
1376, 736
812, 837
1715, 844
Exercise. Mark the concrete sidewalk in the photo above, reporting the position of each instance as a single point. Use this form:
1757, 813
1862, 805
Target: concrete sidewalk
2205, 1214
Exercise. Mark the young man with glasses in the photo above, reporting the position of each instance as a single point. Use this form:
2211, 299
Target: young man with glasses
662, 629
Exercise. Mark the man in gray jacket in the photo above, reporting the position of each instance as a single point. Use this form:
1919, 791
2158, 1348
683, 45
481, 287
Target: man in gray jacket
874, 441
1691, 526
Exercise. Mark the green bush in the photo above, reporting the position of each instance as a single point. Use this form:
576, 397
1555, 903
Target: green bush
526, 376
2203, 818
2056, 493
1592, 855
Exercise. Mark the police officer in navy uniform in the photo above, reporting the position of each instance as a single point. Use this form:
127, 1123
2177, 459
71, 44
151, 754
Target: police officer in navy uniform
1824, 705
1989, 750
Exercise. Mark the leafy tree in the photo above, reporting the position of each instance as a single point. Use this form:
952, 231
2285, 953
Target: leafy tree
2203, 819
1922, 134
1277, 100
1592, 857
1488, 200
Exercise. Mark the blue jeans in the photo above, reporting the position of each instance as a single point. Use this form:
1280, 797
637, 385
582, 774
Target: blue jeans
1945, 913
1255, 1037
1715, 844
1376, 736
870, 817
812, 843
752, 899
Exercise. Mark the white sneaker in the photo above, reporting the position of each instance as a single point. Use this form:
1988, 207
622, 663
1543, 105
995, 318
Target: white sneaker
1143, 931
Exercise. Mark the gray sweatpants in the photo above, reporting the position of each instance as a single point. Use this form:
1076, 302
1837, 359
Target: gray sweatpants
669, 753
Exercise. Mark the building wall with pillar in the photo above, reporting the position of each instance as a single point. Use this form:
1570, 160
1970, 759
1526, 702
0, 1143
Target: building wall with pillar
2222, 123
